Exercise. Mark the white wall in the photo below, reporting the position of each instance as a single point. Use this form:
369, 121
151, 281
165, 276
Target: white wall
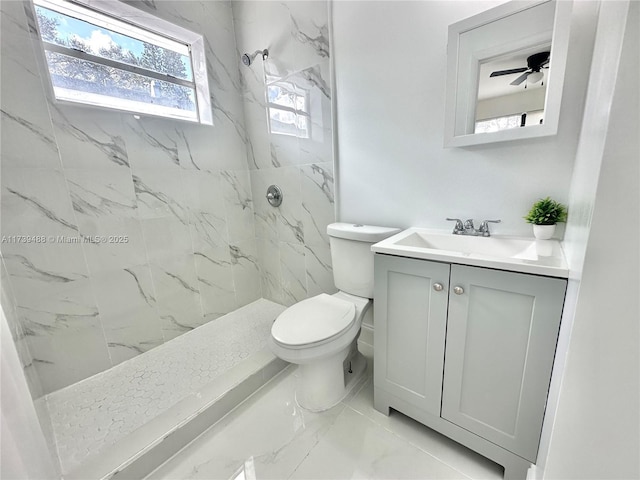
24, 453
392, 170
597, 420
583, 193
390, 84
512, 104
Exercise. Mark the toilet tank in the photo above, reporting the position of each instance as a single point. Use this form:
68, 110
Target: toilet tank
352, 257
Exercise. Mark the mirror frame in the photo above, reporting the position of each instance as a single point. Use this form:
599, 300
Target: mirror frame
460, 103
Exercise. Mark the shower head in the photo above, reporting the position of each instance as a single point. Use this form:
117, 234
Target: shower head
248, 58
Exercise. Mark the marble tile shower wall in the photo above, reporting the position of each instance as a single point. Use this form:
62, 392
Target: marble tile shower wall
293, 245
18, 333
180, 193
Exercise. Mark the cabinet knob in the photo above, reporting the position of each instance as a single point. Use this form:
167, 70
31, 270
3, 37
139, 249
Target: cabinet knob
437, 287
458, 290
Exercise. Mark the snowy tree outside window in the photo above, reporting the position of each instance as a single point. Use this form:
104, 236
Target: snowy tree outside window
96, 59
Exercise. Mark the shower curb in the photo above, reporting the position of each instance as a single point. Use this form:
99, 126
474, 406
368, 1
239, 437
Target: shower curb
144, 450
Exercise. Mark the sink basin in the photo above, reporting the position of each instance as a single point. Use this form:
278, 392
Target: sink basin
520, 254
493, 246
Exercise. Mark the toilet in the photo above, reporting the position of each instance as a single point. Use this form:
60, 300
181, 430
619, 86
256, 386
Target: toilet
319, 334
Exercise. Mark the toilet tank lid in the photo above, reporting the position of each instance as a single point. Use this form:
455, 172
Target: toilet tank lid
361, 233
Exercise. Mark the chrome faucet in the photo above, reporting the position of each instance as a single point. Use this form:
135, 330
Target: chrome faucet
484, 227
468, 228
459, 228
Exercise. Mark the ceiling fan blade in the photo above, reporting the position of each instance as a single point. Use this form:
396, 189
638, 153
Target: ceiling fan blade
507, 72
521, 78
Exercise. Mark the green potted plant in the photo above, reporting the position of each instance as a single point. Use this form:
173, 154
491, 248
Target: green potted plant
544, 215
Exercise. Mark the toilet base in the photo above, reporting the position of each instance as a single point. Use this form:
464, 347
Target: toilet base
323, 384
353, 375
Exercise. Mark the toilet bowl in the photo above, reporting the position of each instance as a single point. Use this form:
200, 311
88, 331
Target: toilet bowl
320, 334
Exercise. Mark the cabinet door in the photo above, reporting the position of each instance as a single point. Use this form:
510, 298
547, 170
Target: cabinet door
410, 324
501, 338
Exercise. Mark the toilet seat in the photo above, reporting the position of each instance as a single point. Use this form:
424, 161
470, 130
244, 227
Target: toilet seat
313, 321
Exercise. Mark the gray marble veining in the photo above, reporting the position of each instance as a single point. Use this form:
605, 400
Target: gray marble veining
148, 298
214, 269
292, 265
317, 260
29, 270
88, 172
292, 241
214, 65
185, 201
323, 179
32, 128
317, 40
165, 145
239, 257
162, 197
90, 140
43, 209
191, 160
313, 77
183, 283
95, 199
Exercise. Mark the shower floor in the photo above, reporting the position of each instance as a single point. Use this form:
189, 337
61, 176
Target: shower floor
101, 424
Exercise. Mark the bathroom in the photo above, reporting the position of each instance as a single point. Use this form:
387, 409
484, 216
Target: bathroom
203, 242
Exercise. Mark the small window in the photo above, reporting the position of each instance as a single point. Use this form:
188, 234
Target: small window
499, 123
288, 109
535, 117
97, 59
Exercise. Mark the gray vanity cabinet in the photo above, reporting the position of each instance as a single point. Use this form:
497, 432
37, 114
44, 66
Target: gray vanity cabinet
501, 339
409, 362
468, 351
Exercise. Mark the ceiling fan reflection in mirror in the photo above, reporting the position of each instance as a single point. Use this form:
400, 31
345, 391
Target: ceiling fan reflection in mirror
532, 73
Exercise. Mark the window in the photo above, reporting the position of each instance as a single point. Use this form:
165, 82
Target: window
534, 117
499, 123
97, 59
288, 109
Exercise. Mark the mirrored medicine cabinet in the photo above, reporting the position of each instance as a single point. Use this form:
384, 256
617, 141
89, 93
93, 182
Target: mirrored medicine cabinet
505, 72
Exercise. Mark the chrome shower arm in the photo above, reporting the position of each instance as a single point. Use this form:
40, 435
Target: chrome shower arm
248, 58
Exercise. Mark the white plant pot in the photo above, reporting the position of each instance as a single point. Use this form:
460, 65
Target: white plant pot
544, 232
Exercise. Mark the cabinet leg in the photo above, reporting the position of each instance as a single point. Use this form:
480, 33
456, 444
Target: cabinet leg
380, 402
516, 470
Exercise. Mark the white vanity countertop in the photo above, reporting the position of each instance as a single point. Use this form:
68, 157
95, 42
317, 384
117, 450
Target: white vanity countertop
516, 254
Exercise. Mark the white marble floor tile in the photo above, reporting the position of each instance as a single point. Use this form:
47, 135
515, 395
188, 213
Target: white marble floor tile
356, 447
269, 432
270, 437
461, 458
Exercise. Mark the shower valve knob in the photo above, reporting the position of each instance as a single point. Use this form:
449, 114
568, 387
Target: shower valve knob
274, 196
